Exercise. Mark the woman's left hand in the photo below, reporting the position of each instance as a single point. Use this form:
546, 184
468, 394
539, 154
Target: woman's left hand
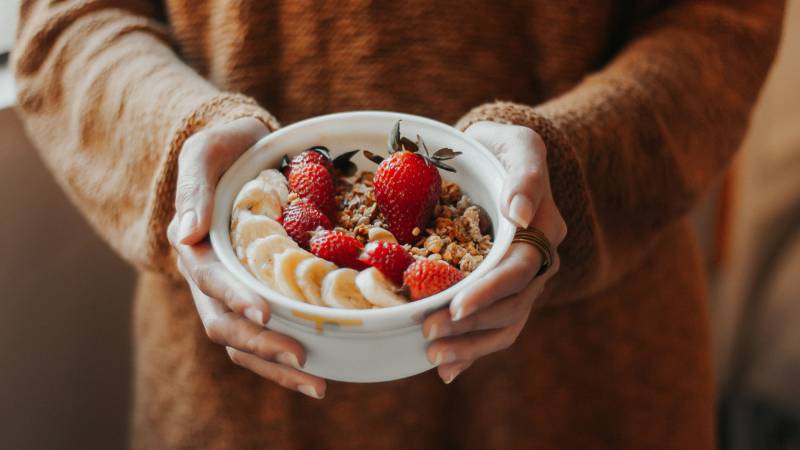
491, 314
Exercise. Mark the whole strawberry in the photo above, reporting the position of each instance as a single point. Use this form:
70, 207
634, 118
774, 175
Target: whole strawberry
314, 155
424, 278
388, 257
314, 183
339, 248
301, 218
407, 184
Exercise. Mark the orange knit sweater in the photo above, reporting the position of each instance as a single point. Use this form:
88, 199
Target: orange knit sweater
641, 104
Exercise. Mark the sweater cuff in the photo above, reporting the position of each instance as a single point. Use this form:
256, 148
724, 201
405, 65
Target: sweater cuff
219, 109
515, 114
567, 184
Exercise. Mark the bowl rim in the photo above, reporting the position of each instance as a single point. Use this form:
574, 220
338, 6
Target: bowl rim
219, 233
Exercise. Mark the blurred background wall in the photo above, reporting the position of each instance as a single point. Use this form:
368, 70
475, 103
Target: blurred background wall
65, 297
756, 309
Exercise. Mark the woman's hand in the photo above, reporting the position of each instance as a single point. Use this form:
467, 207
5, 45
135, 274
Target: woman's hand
490, 315
232, 315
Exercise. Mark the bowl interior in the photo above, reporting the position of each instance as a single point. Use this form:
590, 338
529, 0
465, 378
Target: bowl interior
478, 173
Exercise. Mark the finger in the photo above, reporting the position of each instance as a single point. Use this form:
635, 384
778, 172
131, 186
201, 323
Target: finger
287, 377
199, 264
227, 328
524, 155
473, 345
514, 272
449, 372
500, 314
203, 159
548, 220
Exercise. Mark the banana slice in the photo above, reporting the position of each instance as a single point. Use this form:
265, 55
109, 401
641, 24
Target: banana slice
250, 228
377, 289
285, 268
339, 290
380, 234
309, 275
261, 256
275, 179
257, 198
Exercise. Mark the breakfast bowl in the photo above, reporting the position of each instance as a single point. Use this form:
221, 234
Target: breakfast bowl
361, 345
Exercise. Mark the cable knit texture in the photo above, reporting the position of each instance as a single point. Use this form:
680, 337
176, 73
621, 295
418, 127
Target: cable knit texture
641, 105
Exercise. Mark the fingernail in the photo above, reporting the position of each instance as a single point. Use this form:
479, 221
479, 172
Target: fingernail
288, 359
458, 314
254, 314
452, 376
520, 210
433, 332
444, 357
188, 222
309, 391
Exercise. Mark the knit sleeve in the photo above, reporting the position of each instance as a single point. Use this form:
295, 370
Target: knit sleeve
108, 104
632, 147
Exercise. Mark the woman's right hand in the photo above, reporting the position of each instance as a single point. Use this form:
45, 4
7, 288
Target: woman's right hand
232, 315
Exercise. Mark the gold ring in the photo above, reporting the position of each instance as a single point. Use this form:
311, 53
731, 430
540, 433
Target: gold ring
537, 239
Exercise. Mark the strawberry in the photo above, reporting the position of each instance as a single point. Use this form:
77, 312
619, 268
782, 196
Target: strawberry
407, 184
315, 183
406, 191
424, 278
314, 155
388, 257
339, 248
301, 218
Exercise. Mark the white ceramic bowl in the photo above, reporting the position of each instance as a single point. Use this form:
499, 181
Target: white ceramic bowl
361, 345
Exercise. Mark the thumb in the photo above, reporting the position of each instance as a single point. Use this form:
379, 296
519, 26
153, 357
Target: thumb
523, 153
204, 157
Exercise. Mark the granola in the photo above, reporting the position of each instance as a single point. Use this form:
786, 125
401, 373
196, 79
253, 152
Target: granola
459, 232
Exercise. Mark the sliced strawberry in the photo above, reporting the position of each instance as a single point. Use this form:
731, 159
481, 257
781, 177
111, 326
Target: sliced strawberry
424, 278
339, 248
301, 218
388, 257
315, 183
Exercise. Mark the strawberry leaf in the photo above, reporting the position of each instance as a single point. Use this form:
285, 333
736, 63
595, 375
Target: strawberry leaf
322, 150
424, 147
408, 145
343, 164
443, 166
443, 154
285, 161
372, 156
394, 139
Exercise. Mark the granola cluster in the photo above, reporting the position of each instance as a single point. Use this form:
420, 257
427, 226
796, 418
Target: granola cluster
459, 233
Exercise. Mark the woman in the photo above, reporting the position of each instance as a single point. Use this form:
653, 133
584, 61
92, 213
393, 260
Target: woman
624, 113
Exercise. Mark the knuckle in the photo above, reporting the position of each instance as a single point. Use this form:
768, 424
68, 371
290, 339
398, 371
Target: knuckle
228, 295
215, 330
523, 133
202, 274
186, 189
532, 177
561, 230
257, 345
192, 147
282, 377
214, 143
507, 340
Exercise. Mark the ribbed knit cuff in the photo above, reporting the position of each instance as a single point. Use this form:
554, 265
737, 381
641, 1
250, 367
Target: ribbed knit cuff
219, 109
567, 184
